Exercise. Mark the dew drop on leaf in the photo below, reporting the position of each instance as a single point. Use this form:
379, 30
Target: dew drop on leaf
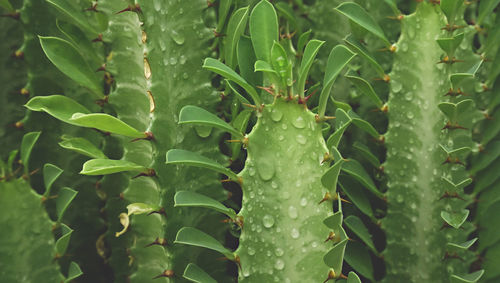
299, 123
268, 221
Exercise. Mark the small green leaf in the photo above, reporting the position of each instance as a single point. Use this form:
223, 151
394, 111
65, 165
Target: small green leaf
356, 170
455, 219
58, 106
82, 146
240, 97
394, 9
235, 28
69, 9
180, 156
363, 125
73, 272
64, 197
11, 159
353, 277
449, 109
486, 8
303, 39
69, 61
280, 64
358, 15
335, 257
339, 57
246, 61
485, 157
450, 8
358, 257
367, 154
469, 278
7, 6
224, 7
356, 194
458, 78
334, 221
27, 145
359, 49
269, 72
366, 88
109, 166
50, 175
463, 246
263, 29
330, 177
287, 11
106, 123
449, 45
188, 198
358, 227
195, 274
240, 123
310, 53
195, 115
223, 70
140, 208
342, 122
63, 241
456, 187
194, 237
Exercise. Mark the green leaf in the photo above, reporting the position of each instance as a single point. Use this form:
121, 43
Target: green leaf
27, 145
109, 166
303, 39
194, 237
73, 272
235, 28
287, 11
224, 7
263, 29
353, 278
180, 156
195, 115
334, 221
7, 6
363, 125
106, 123
455, 219
339, 57
63, 241
358, 257
449, 45
330, 177
335, 257
393, 6
69, 61
458, 78
366, 88
450, 8
223, 70
70, 10
359, 49
486, 8
196, 274
485, 157
64, 197
342, 122
356, 170
269, 72
240, 97
358, 227
140, 208
367, 154
50, 175
356, 194
82, 146
469, 278
188, 198
463, 246
310, 53
11, 159
240, 123
358, 15
58, 106
246, 61
280, 64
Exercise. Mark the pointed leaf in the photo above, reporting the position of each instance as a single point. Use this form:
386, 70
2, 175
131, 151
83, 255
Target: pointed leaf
82, 146
269, 72
367, 154
64, 197
485, 157
358, 257
69, 61
58, 106
353, 278
235, 28
485, 8
74, 272
280, 63
450, 8
109, 166
366, 88
457, 78
358, 227
358, 15
303, 39
195, 115
63, 241
195, 274
330, 177
50, 175
356, 194
70, 10
449, 45
194, 237
180, 156
263, 29
463, 246
106, 123
335, 256
342, 122
363, 125
356, 170
455, 219
359, 49
469, 278
310, 53
223, 70
27, 145
246, 61
188, 198
339, 57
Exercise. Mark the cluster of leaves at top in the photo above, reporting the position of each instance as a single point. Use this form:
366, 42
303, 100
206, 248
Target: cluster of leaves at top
440, 107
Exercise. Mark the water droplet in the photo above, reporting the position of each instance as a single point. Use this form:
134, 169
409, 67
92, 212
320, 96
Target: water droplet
295, 233
281, 137
182, 60
173, 60
396, 86
185, 76
279, 252
411, 32
177, 37
404, 47
413, 205
251, 171
301, 139
157, 5
276, 115
265, 168
399, 198
274, 185
408, 96
303, 202
251, 251
314, 244
410, 115
299, 123
292, 212
279, 264
284, 126
268, 221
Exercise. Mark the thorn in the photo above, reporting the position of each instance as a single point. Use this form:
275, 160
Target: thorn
98, 38
250, 105
19, 125
93, 8
454, 255
161, 211
393, 48
24, 91
18, 54
485, 87
331, 237
167, 273
331, 275
451, 195
217, 34
450, 126
13, 15
148, 136
238, 221
325, 118
305, 99
101, 68
326, 157
447, 60
210, 4
452, 27
149, 173
268, 89
234, 141
108, 78
398, 17
102, 102
158, 241
327, 197
435, 2
131, 8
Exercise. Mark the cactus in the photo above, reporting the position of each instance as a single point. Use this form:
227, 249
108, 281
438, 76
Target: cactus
138, 104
